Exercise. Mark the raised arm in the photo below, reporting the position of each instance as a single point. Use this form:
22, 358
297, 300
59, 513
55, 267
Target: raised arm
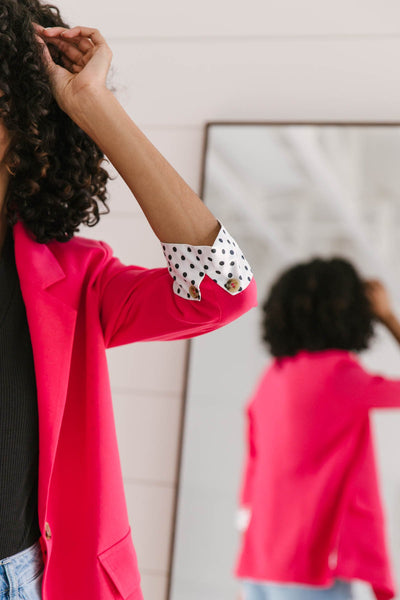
175, 213
137, 304
382, 307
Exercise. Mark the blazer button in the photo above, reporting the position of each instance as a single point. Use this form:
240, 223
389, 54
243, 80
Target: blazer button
47, 531
193, 291
232, 285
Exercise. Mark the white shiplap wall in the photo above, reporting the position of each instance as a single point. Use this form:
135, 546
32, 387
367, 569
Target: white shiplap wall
177, 65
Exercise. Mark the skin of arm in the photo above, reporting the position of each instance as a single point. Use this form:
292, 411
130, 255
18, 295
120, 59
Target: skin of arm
174, 211
382, 308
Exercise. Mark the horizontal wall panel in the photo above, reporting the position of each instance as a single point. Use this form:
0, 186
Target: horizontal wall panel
193, 82
150, 511
225, 18
121, 199
148, 433
131, 238
148, 366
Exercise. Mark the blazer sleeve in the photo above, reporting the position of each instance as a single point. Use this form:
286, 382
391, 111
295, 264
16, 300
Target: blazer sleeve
140, 304
366, 390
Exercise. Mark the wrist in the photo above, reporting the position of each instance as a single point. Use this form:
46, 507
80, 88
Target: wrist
85, 107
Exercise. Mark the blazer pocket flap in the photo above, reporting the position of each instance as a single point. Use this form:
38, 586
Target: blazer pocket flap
120, 563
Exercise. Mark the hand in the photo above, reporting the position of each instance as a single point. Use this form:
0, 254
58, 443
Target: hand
243, 516
87, 58
379, 299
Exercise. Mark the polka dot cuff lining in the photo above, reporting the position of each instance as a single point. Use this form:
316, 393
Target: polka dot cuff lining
223, 262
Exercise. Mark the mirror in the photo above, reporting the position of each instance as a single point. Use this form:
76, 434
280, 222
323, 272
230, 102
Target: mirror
286, 192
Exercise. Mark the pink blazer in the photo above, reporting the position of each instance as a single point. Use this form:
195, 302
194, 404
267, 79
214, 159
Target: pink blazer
80, 300
310, 478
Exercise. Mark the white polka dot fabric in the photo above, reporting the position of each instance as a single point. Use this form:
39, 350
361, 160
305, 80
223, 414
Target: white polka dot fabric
223, 262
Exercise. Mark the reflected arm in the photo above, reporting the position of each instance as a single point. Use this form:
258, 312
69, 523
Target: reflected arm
393, 325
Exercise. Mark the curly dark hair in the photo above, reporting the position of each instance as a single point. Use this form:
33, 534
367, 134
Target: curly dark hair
55, 167
318, 305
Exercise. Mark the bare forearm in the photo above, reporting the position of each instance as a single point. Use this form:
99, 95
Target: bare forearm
393, 324
174, 211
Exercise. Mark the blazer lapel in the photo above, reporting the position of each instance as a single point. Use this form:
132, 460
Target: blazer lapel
47, 293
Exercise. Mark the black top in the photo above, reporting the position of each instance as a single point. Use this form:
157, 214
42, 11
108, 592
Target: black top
19, 435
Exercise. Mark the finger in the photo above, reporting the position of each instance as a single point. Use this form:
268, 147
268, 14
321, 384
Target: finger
87, 32
83, 43
52, 31
71, 65
67, 63
74, 68
70, 50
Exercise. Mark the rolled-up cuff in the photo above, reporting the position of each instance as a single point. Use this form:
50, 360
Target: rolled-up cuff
223, 262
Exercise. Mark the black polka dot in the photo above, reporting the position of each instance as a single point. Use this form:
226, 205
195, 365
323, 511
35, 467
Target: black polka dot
242, 256
206, 267
176, 266
224, 230
182, 257
192, 266
210, 259
197, 258
240, 289
185, 274
249, 278
189, 249
229, 241
199, 252
193, 282
218, 272
169, 256
234, 244
223, 251
174, 278
231, 252
188, 295
220, 240
174, 249
230, 275
246, 268
170, 269
201, 273
240, 277
221, 263
163, 247
179, 290
213, 250
215, 280
232, 263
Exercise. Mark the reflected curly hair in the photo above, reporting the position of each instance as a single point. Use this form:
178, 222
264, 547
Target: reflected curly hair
56, 175
318, 305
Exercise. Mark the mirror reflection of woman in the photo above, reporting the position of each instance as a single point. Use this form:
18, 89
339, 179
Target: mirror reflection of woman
64, 299
312, 515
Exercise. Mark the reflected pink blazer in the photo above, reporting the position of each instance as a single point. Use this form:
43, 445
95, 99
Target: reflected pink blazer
80, 300
310, 478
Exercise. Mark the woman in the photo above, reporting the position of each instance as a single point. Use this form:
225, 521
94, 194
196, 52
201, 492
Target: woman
310, 488
64, 529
